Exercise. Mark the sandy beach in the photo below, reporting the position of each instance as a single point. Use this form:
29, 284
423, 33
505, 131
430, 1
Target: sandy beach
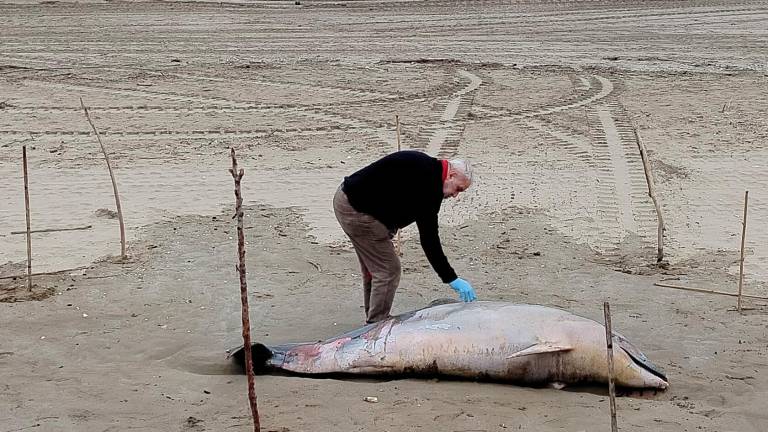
544, 97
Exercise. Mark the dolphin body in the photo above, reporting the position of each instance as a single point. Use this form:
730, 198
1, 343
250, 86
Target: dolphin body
518, 343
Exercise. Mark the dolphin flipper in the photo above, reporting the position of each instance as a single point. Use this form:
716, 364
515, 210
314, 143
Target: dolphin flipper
541, 348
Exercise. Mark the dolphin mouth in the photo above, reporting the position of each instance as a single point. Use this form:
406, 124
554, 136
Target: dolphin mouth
644, 363
639, 358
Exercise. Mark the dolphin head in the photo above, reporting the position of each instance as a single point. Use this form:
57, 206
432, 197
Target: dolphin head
633, 369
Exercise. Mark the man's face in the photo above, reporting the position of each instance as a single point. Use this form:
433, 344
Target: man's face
454, 184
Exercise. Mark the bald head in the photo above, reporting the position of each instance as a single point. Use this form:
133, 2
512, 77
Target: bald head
459, 178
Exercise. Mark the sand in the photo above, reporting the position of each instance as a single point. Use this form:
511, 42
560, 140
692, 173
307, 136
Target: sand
540, 95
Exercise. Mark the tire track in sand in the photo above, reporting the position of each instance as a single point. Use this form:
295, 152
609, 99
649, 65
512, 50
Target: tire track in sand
442, 137
623, 206
620, 203
330, 121
189, 134
597, 88
355, 96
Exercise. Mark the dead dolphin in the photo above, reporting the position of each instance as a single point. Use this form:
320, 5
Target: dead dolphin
526, 344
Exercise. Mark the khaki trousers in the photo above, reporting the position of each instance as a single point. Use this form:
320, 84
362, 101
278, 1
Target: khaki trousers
379, 263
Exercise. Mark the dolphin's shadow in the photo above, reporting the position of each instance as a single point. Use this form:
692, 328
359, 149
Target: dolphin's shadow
635, 393
591, 388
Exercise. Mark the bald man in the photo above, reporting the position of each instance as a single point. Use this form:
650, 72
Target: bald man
391, 193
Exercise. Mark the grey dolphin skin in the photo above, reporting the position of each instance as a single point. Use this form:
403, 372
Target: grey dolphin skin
518, 343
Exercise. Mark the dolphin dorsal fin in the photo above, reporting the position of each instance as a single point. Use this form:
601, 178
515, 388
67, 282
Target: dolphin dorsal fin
541, 348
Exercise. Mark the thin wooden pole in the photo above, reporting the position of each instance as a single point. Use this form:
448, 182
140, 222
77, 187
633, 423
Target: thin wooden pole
398, 242
26, 207
114, 183
17, 276
743, 240
397, 129
238, 176
652, 194
609, 344
707, 291
46, 230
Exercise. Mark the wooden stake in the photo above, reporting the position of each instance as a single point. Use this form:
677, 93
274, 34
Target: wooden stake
398, 242
46, 230
652, 194
238, 176
743, 239
44, 273
611, 385
26, 207
707, 291
114, 183
397, 129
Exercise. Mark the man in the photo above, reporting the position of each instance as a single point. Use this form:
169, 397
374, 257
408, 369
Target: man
391, 193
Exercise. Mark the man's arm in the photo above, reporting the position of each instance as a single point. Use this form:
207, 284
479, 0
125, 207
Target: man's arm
430, 242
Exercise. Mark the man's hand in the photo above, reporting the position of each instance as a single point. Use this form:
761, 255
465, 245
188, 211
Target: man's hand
466, 293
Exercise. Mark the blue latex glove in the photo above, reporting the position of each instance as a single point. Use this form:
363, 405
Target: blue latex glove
466, 293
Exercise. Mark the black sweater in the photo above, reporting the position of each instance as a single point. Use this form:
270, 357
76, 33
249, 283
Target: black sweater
402, 188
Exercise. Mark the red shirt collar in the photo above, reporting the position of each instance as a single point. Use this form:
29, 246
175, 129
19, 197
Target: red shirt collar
445, 169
